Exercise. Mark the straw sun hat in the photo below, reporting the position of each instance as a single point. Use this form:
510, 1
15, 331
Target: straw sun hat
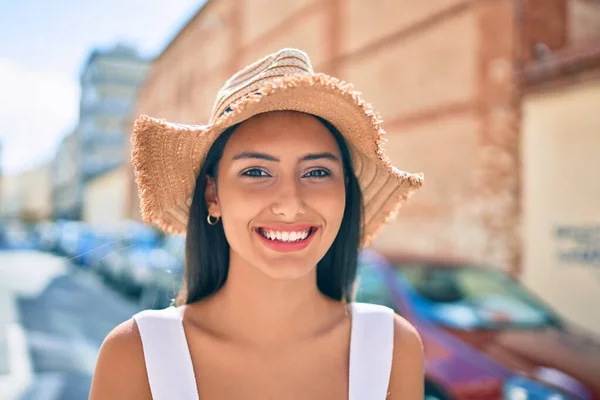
167, 157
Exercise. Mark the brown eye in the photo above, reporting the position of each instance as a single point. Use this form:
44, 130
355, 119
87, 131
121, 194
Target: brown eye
317, 173
255, 173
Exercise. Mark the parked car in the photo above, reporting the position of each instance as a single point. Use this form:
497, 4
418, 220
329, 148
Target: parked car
132, 255
16, 235
163, 285
76, 239
485, 335
48, 235
100, 244
142, 265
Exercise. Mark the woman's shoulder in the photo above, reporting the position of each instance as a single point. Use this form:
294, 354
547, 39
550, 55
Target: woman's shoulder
407, 376
406, 335
120, 368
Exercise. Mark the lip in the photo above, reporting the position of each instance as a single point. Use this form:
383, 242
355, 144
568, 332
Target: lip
285, 247
287, 227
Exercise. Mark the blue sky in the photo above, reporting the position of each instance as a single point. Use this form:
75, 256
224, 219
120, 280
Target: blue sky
44, 44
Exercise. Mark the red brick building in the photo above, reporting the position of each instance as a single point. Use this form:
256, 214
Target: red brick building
448, 77
559, 148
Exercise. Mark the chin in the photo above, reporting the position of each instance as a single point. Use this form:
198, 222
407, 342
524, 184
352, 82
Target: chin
286, 267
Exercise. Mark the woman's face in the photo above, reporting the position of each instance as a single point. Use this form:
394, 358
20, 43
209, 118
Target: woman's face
280, 192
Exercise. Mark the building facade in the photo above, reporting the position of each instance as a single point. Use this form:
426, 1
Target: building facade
452, 80
10, 197
67, 179
103, 199
27, 195
109, 83
560, 144
440, 72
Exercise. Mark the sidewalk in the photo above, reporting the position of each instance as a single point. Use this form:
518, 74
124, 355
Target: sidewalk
17, 278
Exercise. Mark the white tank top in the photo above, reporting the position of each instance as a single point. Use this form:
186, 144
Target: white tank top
171, 374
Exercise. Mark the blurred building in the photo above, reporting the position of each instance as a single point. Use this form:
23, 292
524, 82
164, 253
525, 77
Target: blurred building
471, 94
27, 195
109, 84
36, 194
67, 179
1, 177
10, 198
104, 200
560, 145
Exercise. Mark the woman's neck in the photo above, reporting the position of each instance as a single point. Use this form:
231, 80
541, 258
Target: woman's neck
254, 307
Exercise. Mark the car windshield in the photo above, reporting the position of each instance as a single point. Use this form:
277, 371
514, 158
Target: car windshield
471, 297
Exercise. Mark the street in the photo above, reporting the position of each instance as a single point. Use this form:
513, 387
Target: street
64, 313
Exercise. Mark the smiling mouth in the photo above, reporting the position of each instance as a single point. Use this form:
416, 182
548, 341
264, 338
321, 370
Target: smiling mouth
286, 237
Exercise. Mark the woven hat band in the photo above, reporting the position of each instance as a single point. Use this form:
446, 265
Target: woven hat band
255, 75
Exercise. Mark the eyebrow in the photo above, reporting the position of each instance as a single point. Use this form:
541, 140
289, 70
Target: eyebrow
268, 157
260, 156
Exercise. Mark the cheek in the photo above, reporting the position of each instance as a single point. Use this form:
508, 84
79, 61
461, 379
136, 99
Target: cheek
330, 202
238, 207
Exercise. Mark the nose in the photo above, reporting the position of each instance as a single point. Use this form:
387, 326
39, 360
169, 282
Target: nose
288, 201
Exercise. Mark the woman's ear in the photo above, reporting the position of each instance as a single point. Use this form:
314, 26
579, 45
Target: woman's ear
211, 198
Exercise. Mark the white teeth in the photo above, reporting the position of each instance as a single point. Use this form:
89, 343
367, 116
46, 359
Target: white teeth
285, 236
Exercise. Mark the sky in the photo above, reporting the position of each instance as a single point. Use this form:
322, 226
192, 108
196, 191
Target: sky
43, 46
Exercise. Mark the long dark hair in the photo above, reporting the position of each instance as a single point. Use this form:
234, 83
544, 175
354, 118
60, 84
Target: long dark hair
207, 250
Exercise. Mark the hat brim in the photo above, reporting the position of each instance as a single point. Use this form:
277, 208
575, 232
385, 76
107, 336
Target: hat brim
167, 157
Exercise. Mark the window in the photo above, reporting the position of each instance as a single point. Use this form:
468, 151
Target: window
90, 95
471, 297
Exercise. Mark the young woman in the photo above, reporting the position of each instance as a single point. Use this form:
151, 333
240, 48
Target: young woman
275, 195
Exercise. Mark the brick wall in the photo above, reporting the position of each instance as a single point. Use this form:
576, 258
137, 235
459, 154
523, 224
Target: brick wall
583, 22
439, 71
544, 22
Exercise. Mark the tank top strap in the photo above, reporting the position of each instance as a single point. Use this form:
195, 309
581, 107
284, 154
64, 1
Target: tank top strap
371, 351
167, 356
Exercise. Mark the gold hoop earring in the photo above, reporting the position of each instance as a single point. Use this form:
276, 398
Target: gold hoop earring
210, 221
